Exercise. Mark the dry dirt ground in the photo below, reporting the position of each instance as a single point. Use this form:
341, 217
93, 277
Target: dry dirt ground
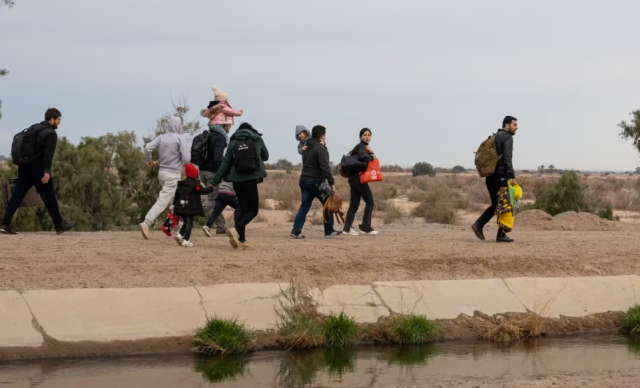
406, 250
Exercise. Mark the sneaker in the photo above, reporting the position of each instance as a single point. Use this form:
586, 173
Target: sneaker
186, 243
145, 230
179, 238
221, 231
333, 234
207, 231
477, 229
233, 237
7, 229
504, 239
352, 232
370, 233
298, 236
64, 227
244, 246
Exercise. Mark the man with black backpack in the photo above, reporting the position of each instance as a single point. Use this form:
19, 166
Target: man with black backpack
32, 151
498, 178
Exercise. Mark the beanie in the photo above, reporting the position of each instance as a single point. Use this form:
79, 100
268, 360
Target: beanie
191, 171
219, 95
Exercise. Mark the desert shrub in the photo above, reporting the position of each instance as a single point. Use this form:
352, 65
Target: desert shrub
222, 336
411, 329
384, 190
630, 323
392, 214
339, 330
286, 205
392, 168
607, 214
423, 168
563, 196
458, 169
299, 324
435, 214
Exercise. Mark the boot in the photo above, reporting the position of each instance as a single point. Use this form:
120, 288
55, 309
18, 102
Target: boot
503, 238
477, 229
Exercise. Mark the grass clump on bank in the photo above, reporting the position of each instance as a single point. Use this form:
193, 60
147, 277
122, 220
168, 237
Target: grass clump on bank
411, 329
630, 323
339, 330
531, 325
299, 324
223, 336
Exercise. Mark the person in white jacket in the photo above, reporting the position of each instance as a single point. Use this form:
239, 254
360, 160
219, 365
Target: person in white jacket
173, 153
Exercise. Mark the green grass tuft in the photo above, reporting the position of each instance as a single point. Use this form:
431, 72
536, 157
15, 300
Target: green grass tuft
630, 323
223, 336
339, 330
411, 329
299, 324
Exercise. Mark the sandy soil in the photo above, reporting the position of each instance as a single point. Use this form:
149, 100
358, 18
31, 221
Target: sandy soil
600, 379
403, 251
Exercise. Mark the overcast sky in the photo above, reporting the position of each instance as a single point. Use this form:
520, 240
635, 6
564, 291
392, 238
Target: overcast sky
432, 79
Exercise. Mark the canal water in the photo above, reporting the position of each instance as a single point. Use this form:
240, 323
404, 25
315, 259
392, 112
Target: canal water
358, 367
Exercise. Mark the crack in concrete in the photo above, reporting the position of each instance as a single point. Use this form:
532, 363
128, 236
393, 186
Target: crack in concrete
202, 303
34, 321
514, 295
375, 291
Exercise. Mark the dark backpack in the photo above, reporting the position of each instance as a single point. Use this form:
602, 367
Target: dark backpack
26, 148
245, 156
351, 164
200, 148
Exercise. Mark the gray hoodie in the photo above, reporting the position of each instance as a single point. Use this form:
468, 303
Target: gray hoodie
299, 130
173, 151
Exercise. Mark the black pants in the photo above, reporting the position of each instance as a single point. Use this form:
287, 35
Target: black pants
185, 231
221, 202
359, 191
29, 176
249, 200
494, 183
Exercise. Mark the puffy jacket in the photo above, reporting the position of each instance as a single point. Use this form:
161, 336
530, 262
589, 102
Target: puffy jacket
220, 114
504, 147
189, 190
315, 163
227, 170
215, 152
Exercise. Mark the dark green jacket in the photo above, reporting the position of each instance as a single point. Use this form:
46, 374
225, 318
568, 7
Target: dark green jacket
227, 170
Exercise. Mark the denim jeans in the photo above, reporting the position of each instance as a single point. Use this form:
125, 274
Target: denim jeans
310, 190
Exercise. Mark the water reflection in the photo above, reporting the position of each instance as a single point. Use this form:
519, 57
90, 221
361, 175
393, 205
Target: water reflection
223, 368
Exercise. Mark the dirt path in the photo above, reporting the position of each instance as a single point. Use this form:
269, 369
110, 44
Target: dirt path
401, 252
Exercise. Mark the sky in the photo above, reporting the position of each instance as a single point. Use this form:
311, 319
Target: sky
432, 79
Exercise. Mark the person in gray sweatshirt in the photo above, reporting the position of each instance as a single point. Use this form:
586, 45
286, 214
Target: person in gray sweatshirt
173, 153
302, 135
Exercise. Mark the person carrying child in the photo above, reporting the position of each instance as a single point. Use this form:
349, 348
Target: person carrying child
187, 203
302, 135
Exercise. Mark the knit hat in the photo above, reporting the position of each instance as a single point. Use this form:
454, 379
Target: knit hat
191, 171
219, 94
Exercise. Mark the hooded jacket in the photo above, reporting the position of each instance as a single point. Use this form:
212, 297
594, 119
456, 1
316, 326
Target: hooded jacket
227, 170
315, 163
504, 147
47, 139
220, 114
173, 151
299, 130
187, 200
216, 144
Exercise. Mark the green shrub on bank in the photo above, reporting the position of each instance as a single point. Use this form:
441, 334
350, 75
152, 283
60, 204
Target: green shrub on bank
411, 329
607, 214
630, 323
562, 196
299, 324
222, 336
339, 330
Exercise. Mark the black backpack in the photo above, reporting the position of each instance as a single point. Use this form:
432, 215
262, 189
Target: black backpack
200, 148
26, 148
245, 157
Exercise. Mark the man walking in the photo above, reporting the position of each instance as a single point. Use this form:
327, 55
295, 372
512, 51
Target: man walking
38, 173
503, 173
173, 153
217, 142
316, 170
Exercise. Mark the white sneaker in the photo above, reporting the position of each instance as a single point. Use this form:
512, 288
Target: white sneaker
186, 243
352, 232
206, 231
179, 238
145, 230
372, 233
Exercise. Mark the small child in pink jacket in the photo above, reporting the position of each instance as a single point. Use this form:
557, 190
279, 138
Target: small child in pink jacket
221, 113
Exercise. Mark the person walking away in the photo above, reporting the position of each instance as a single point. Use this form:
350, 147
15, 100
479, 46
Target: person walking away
302, 135
187, 203
33, 154
226, 197
500, 178
243, 165
173, 153
361, 190
316, 170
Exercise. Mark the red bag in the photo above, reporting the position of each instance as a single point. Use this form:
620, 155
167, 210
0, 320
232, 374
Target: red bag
373, 173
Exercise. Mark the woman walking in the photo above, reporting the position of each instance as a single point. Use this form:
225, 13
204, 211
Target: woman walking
361, 190
243, 166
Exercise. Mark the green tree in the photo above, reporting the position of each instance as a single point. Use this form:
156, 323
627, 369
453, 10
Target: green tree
562, 196
459, 169
423, 168
631, 130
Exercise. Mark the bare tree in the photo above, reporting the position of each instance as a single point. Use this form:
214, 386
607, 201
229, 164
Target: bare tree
181, 108
8, 3
3, 72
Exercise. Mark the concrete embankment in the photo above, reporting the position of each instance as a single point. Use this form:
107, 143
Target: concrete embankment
128, 321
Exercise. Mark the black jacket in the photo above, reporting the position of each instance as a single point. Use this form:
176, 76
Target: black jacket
47, 140
315, 163
215, 152
504, 147
363, 156
190, 190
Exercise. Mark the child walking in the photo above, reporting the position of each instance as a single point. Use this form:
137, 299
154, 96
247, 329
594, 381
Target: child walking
188, 204
226, 197
302, 135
